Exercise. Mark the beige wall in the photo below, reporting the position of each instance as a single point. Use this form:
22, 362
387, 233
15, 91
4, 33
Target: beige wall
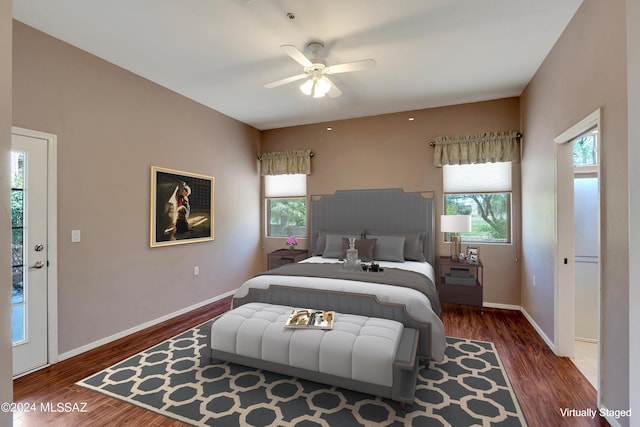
112, 126
584, 71
6, 388
389, 151
633, 96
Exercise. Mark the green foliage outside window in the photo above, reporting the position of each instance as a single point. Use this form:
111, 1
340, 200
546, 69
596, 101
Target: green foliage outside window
584, 150
17, 182
287, 217
490, 215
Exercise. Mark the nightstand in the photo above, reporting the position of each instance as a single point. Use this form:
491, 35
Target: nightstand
285, 256
460, 282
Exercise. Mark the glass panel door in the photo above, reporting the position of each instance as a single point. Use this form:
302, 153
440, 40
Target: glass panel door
17, 253
29, 250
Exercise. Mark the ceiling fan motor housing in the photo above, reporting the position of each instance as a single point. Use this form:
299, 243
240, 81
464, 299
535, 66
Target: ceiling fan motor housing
316, 68
315, 48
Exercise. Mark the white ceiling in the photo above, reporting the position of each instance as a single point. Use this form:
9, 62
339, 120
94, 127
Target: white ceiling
221, 53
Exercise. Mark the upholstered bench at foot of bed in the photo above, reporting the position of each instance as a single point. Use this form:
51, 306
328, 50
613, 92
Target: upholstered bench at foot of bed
366, 354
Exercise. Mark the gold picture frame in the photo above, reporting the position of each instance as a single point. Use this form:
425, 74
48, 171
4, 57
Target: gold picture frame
182, 207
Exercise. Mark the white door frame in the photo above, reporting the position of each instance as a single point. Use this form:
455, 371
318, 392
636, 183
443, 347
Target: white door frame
564, 306
52, 236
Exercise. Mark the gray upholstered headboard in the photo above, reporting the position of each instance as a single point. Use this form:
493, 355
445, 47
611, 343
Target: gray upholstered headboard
390, 210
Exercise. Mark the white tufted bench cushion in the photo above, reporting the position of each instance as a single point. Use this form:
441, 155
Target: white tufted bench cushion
361, 350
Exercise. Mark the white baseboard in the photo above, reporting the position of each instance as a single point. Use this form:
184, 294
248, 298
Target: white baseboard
138, 328
544, 337
501, 306
539, 330
589, 340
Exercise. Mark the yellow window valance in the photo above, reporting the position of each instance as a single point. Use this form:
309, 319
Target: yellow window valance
488, 147
286, 162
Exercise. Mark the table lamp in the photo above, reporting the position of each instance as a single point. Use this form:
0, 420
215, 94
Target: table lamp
455, 224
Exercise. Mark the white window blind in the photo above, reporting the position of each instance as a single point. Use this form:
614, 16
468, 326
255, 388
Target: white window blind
478, 177
285, 185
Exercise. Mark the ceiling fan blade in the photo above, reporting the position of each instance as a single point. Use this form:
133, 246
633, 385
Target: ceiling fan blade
297, 56
285, 81
334, 92
348, 67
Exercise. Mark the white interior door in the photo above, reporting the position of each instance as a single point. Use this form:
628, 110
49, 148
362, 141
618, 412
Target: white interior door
29, 249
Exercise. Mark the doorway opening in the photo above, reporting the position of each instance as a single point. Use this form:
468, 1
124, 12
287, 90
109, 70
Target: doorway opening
587, 262
578, 269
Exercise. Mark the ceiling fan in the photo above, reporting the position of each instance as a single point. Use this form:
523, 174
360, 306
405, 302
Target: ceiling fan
316, 71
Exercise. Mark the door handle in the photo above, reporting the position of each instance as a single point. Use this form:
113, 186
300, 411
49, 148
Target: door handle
38, 265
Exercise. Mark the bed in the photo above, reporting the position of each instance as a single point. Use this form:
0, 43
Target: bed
394, 229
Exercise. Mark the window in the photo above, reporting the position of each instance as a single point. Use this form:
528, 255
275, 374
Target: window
484, 192
286, 205
18, 300
584, 149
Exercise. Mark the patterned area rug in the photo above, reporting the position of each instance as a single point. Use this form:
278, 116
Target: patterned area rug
469, 388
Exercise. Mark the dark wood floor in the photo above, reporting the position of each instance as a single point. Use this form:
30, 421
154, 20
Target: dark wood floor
544, 383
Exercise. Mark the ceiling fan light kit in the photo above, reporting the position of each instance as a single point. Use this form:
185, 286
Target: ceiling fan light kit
317, 83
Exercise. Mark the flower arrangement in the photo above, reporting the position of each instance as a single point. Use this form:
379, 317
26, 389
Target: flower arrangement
292, 241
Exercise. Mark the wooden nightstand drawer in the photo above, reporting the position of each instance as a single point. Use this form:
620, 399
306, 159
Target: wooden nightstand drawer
460, 282
461, 294
285, 256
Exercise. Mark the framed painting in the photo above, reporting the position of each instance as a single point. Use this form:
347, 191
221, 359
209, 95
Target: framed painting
181, 207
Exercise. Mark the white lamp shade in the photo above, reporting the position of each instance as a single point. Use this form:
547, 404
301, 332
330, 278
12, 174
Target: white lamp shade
455, 223
316, 86
307, 87
323, 85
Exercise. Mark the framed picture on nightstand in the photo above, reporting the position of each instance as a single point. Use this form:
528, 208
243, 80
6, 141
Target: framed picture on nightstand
473, 254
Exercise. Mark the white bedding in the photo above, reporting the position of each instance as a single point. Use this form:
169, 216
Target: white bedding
416, 303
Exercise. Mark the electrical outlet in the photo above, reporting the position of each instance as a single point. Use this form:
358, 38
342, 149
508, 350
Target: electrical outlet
196, 270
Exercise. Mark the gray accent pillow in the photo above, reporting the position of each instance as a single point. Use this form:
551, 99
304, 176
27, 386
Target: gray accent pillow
365, 248
413, 244
321, 240
333, 245
388, 248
